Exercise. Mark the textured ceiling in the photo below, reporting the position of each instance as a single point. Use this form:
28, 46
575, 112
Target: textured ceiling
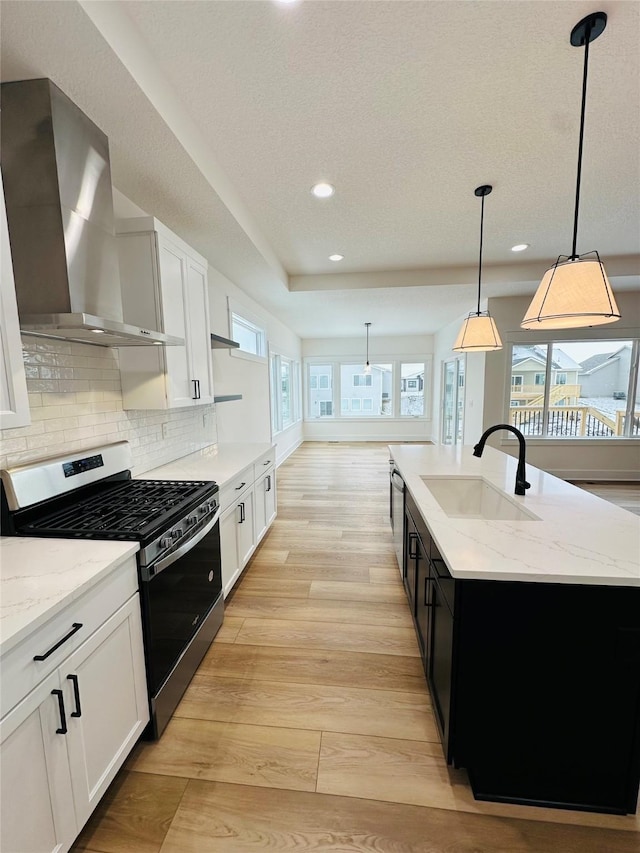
405, 106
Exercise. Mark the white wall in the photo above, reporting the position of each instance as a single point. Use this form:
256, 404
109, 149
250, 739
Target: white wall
382, 350
585, 458
248, 419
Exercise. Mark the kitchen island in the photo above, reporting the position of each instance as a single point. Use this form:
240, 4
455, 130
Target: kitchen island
527, 612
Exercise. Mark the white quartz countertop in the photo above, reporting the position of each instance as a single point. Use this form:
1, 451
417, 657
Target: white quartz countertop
39, 577
221, 462
578, 537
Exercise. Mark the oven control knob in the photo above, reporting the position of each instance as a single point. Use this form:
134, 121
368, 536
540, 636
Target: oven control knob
165, 542
192, 520
176, 534
203, 509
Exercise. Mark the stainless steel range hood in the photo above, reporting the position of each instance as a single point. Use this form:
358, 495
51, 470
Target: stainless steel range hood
57, 186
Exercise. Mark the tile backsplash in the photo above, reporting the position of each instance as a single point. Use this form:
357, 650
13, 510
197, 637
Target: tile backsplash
76, 403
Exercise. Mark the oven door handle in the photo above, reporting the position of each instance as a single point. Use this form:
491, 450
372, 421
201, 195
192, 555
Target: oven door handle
395, 477
182, 550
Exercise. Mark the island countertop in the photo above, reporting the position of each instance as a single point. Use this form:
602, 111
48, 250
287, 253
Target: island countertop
577, 537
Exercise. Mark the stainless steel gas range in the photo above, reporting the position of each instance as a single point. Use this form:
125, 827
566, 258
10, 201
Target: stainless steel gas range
92, 495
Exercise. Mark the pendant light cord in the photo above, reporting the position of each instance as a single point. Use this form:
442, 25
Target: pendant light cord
480, 259
587, 38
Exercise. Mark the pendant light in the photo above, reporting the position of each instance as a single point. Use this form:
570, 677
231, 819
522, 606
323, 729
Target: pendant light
575, 292
367, 367
478, 333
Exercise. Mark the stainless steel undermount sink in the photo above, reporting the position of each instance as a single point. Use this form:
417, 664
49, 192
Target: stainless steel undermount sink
475, 497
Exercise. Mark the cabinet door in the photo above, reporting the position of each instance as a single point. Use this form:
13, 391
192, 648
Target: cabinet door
246, 532
199, 334
440, 658
14, 403
231, 567
411, 562
105, 694
36, 807
423, 598
265, 509
172, 264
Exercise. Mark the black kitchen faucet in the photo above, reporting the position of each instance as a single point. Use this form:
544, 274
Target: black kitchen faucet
521, 482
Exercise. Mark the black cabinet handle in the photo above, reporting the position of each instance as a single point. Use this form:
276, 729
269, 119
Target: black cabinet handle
268, 482
196, 389
63, 720
268, 462
76, 695
198, 386
242, 515
413, 537
426, 594
241, 486
75, 626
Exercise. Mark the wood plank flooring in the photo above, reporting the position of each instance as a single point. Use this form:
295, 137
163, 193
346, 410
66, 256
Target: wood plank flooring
308, 726
625, 495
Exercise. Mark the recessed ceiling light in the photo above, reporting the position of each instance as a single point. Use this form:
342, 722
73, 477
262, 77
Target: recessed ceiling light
323, 190
336, 257
520, 247
98, 331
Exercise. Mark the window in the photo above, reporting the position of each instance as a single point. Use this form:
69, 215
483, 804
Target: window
392, 389
412, 389
285, 382
362, 379
320, 396
587, 389
249, 332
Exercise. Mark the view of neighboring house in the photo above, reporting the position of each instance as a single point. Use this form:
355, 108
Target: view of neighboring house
586, 398
361, 393
606, 374
528, 377
412, 391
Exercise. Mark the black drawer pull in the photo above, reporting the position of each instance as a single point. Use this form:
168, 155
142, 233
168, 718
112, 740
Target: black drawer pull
63, 720
242, 515
268, 489
75, 626
413, 538
76, 695
268, 462
241, 486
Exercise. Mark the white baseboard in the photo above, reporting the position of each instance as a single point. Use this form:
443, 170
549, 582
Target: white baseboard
288, 452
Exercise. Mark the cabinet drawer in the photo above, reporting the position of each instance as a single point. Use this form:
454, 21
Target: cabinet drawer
439, 569
261, 466
20, 673
232, 491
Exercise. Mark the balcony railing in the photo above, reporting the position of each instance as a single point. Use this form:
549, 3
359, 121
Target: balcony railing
568, 421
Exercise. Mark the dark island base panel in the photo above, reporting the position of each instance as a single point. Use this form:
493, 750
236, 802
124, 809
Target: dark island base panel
546, 706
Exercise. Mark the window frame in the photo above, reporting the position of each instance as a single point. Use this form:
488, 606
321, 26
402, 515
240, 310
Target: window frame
340, 391
276, 359
558, 339
253, 322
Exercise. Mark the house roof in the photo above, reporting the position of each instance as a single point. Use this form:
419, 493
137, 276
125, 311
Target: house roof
561, 361
599, 360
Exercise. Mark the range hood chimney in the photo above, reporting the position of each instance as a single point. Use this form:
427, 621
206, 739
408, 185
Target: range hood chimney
57, 185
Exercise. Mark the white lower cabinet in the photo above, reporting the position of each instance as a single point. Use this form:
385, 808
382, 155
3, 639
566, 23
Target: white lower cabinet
265, 496
249, 505
237, 537
62, 745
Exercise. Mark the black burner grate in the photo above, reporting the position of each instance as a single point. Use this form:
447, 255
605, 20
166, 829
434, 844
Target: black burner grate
130, 510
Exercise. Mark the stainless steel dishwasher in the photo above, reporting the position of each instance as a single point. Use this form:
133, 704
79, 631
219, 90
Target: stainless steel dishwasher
396, 512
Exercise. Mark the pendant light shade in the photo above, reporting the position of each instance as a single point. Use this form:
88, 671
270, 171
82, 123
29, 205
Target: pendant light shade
367, 366
575, 292
478, 332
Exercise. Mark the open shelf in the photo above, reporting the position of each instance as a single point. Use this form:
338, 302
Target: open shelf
218, 342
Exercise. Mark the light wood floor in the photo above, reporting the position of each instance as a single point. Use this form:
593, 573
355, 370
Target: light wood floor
625, 495
308, 726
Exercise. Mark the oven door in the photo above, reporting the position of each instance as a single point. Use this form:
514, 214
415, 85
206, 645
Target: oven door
177, 598
397, 516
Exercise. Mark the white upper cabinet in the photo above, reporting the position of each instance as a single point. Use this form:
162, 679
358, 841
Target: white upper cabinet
164, 287
14, 403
